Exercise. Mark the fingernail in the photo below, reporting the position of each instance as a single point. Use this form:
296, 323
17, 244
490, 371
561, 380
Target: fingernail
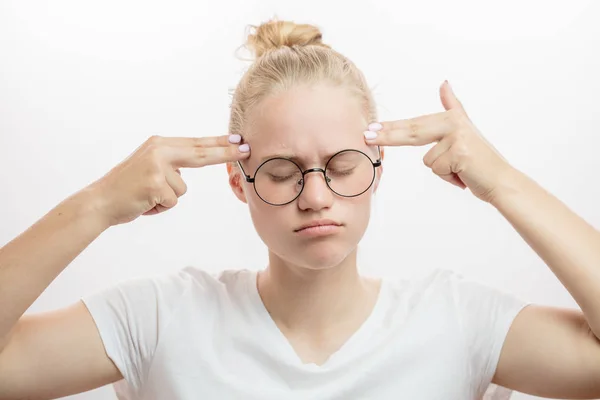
234, 138
244, 148
370, 135
375, 126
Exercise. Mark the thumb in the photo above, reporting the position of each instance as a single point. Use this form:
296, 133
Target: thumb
449, 99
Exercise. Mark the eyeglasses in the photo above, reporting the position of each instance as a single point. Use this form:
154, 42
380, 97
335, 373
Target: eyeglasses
279, 181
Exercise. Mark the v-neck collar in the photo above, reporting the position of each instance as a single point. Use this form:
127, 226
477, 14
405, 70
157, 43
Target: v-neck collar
280, 341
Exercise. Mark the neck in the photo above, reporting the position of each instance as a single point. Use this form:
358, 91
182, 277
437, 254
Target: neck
303, 299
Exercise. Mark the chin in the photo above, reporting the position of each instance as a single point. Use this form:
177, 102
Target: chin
318, 255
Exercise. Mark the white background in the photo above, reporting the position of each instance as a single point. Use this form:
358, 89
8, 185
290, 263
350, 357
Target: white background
82, 84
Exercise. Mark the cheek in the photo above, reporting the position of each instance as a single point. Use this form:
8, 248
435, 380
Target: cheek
358, 211
268, 220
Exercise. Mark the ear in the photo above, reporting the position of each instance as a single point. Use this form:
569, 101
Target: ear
235, 182
378, 174
378, 171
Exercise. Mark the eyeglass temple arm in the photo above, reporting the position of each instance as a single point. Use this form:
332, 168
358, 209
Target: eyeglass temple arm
246, 176
378, 162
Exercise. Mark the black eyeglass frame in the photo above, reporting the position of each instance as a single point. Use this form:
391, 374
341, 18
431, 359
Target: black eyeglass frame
252, 180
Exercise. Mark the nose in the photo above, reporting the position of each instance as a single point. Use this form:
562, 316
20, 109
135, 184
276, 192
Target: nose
316, 195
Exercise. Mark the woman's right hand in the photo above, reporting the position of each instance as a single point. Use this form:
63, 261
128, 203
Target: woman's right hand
149, 181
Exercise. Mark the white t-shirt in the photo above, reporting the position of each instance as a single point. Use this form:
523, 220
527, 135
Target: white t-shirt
194, 335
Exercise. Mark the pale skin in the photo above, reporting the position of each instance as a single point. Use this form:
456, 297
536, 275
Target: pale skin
549, 352
311, 288
59, 353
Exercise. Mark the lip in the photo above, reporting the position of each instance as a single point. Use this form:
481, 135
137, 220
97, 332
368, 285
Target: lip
322, 226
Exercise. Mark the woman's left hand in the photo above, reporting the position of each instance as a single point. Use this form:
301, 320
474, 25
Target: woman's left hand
461, 156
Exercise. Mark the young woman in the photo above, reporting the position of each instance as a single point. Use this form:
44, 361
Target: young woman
304, 151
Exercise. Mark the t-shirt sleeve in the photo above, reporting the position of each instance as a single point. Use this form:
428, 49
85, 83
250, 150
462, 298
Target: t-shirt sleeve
486, 315
130, 317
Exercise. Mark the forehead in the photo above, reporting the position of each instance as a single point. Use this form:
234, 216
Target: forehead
307, 121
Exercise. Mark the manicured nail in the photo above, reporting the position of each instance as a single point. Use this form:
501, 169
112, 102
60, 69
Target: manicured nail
244, 148
375, 126
370, 135
234, 138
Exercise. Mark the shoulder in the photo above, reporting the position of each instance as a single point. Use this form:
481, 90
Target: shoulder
451, 288
167, 288
427, 283
192, 287
438, 279
196, 278
189, 277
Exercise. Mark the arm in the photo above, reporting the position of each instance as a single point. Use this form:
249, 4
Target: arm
55, 354
31, 345
553, 352
50, 349
548, 351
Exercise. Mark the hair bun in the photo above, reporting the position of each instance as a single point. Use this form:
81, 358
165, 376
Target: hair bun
274, 34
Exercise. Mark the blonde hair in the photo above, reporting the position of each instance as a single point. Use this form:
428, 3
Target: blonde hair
288, 54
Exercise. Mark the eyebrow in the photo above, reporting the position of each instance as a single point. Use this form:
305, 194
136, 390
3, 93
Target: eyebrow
295, 157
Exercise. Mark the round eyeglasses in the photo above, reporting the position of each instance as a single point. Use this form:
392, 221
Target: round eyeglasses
279, 181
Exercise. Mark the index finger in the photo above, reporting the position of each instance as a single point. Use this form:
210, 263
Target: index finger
417, 131
196, 152
204, 141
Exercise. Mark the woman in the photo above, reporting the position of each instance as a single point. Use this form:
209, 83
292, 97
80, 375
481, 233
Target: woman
304, 152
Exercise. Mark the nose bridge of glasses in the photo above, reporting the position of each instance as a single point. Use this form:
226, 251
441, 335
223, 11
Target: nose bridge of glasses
321, 170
